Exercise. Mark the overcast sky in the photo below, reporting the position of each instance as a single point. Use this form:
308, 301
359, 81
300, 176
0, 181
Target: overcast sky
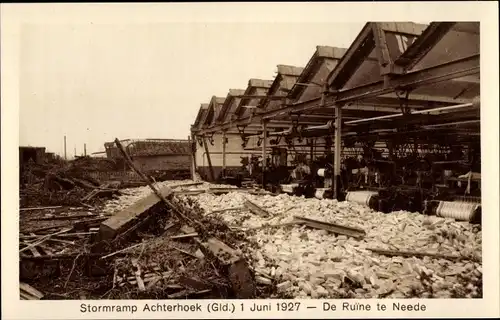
95, 82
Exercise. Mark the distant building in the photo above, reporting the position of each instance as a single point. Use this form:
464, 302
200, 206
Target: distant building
154, 154
35, 154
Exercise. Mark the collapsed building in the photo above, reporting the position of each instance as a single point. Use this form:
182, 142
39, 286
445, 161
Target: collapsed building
163, 158
357, 176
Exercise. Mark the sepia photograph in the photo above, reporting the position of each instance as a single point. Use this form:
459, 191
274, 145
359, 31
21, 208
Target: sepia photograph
166, 161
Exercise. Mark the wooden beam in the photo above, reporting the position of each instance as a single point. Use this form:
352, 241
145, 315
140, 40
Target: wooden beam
209, 160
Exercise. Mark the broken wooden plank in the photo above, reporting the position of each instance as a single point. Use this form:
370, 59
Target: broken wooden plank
189, 192
121, 251
256, 209
43, 239
140, 282
183, 236
265, 226
227, 209
239, 272
94, 192
218, 191
35, 230
121, 221
168, 226
392, 253
190, 184
60, 256
166, 202
35, 252
30, 292
180, 294
68, 217
187, 229
39, 208
65, 235
222, 251
332, 227
185, 252
193, 282
61, 241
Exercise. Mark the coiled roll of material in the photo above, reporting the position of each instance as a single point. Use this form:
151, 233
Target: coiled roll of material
361, 197
458, 210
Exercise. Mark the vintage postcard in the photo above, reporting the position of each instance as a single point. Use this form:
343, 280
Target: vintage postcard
250, 160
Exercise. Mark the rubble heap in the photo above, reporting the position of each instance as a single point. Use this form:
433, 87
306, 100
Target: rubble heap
156, 254
61, 184
315, 263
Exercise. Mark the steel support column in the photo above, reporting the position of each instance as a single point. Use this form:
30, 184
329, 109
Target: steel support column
224, 143
264, 155
338, 149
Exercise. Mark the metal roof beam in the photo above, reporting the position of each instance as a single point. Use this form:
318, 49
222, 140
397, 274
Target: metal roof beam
450, 70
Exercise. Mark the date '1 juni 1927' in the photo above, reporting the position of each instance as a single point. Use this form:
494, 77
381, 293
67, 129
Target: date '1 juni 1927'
266, 307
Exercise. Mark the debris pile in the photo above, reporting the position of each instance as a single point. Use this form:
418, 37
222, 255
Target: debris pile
61, 185
213, 241
401, 255
155, 250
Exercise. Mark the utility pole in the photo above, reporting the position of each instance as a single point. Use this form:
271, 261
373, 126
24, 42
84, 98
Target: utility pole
65, 155
84, 149
75, 153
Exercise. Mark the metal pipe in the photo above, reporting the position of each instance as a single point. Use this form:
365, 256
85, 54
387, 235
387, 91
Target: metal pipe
452, 124
391, 116
279, 133
329, 125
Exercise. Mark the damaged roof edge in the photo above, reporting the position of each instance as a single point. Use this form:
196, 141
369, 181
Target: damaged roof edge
330, 52
322, 52
259, 83
201, 114
289, 70
227, 103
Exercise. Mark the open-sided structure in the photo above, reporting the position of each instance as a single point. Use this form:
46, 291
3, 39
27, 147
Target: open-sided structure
403, 88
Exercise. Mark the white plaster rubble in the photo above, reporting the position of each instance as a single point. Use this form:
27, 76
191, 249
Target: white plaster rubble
305, 262
315, 263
